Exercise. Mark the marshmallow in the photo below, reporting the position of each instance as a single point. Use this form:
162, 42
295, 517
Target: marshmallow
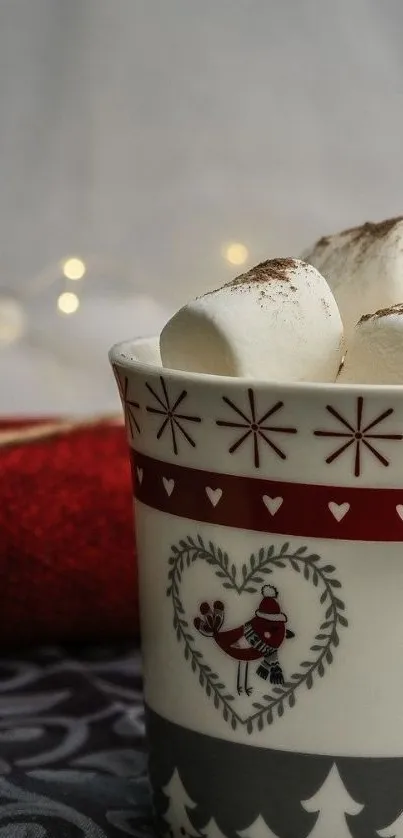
278, 322
363, 266
375, 352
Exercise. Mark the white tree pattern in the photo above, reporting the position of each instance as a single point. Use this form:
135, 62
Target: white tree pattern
258, 829
332, 802
394, 830
212, 830
176, 815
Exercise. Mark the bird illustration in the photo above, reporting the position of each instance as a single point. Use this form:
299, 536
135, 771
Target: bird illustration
259, 639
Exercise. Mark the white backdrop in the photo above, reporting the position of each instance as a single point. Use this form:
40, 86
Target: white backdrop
141, 135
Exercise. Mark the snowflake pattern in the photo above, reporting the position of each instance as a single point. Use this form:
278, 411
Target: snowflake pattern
255, 428
358, 434
129, 405
172, 420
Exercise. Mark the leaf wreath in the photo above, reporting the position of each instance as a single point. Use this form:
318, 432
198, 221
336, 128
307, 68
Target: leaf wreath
247, 581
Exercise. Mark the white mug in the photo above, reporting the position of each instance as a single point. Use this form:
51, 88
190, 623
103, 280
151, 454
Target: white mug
269, 523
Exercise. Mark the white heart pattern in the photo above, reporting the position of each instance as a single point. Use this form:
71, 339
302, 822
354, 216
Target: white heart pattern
169, 485
399, 510
338, 510
272, 504
139, 474
214, 495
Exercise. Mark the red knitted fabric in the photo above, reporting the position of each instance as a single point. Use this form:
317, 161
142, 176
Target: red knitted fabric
67, 568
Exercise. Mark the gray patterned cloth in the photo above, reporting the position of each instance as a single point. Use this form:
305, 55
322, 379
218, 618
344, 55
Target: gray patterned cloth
72, 751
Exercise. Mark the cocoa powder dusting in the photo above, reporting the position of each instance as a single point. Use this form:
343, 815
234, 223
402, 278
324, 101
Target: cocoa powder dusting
325, 306
271, 269
373, 230
382, 312
365, 234
323, 242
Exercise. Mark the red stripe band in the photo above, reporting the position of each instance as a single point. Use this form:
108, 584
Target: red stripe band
339, 512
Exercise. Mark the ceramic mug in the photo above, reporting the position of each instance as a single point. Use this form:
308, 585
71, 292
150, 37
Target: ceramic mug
269, 524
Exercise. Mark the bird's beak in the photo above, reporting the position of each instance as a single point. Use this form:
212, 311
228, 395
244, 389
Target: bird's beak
289, 634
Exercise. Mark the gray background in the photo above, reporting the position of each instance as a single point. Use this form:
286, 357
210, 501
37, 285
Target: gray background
142, 135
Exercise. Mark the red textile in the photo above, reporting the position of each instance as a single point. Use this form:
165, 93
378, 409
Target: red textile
67, 569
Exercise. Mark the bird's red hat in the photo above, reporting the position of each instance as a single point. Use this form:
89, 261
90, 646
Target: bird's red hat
269, 608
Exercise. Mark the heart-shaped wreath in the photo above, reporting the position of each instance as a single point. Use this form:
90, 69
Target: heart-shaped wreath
248, 580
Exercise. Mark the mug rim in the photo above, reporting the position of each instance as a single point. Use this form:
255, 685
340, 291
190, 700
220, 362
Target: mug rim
120, 353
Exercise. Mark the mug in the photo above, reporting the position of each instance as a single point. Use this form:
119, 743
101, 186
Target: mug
269, 522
